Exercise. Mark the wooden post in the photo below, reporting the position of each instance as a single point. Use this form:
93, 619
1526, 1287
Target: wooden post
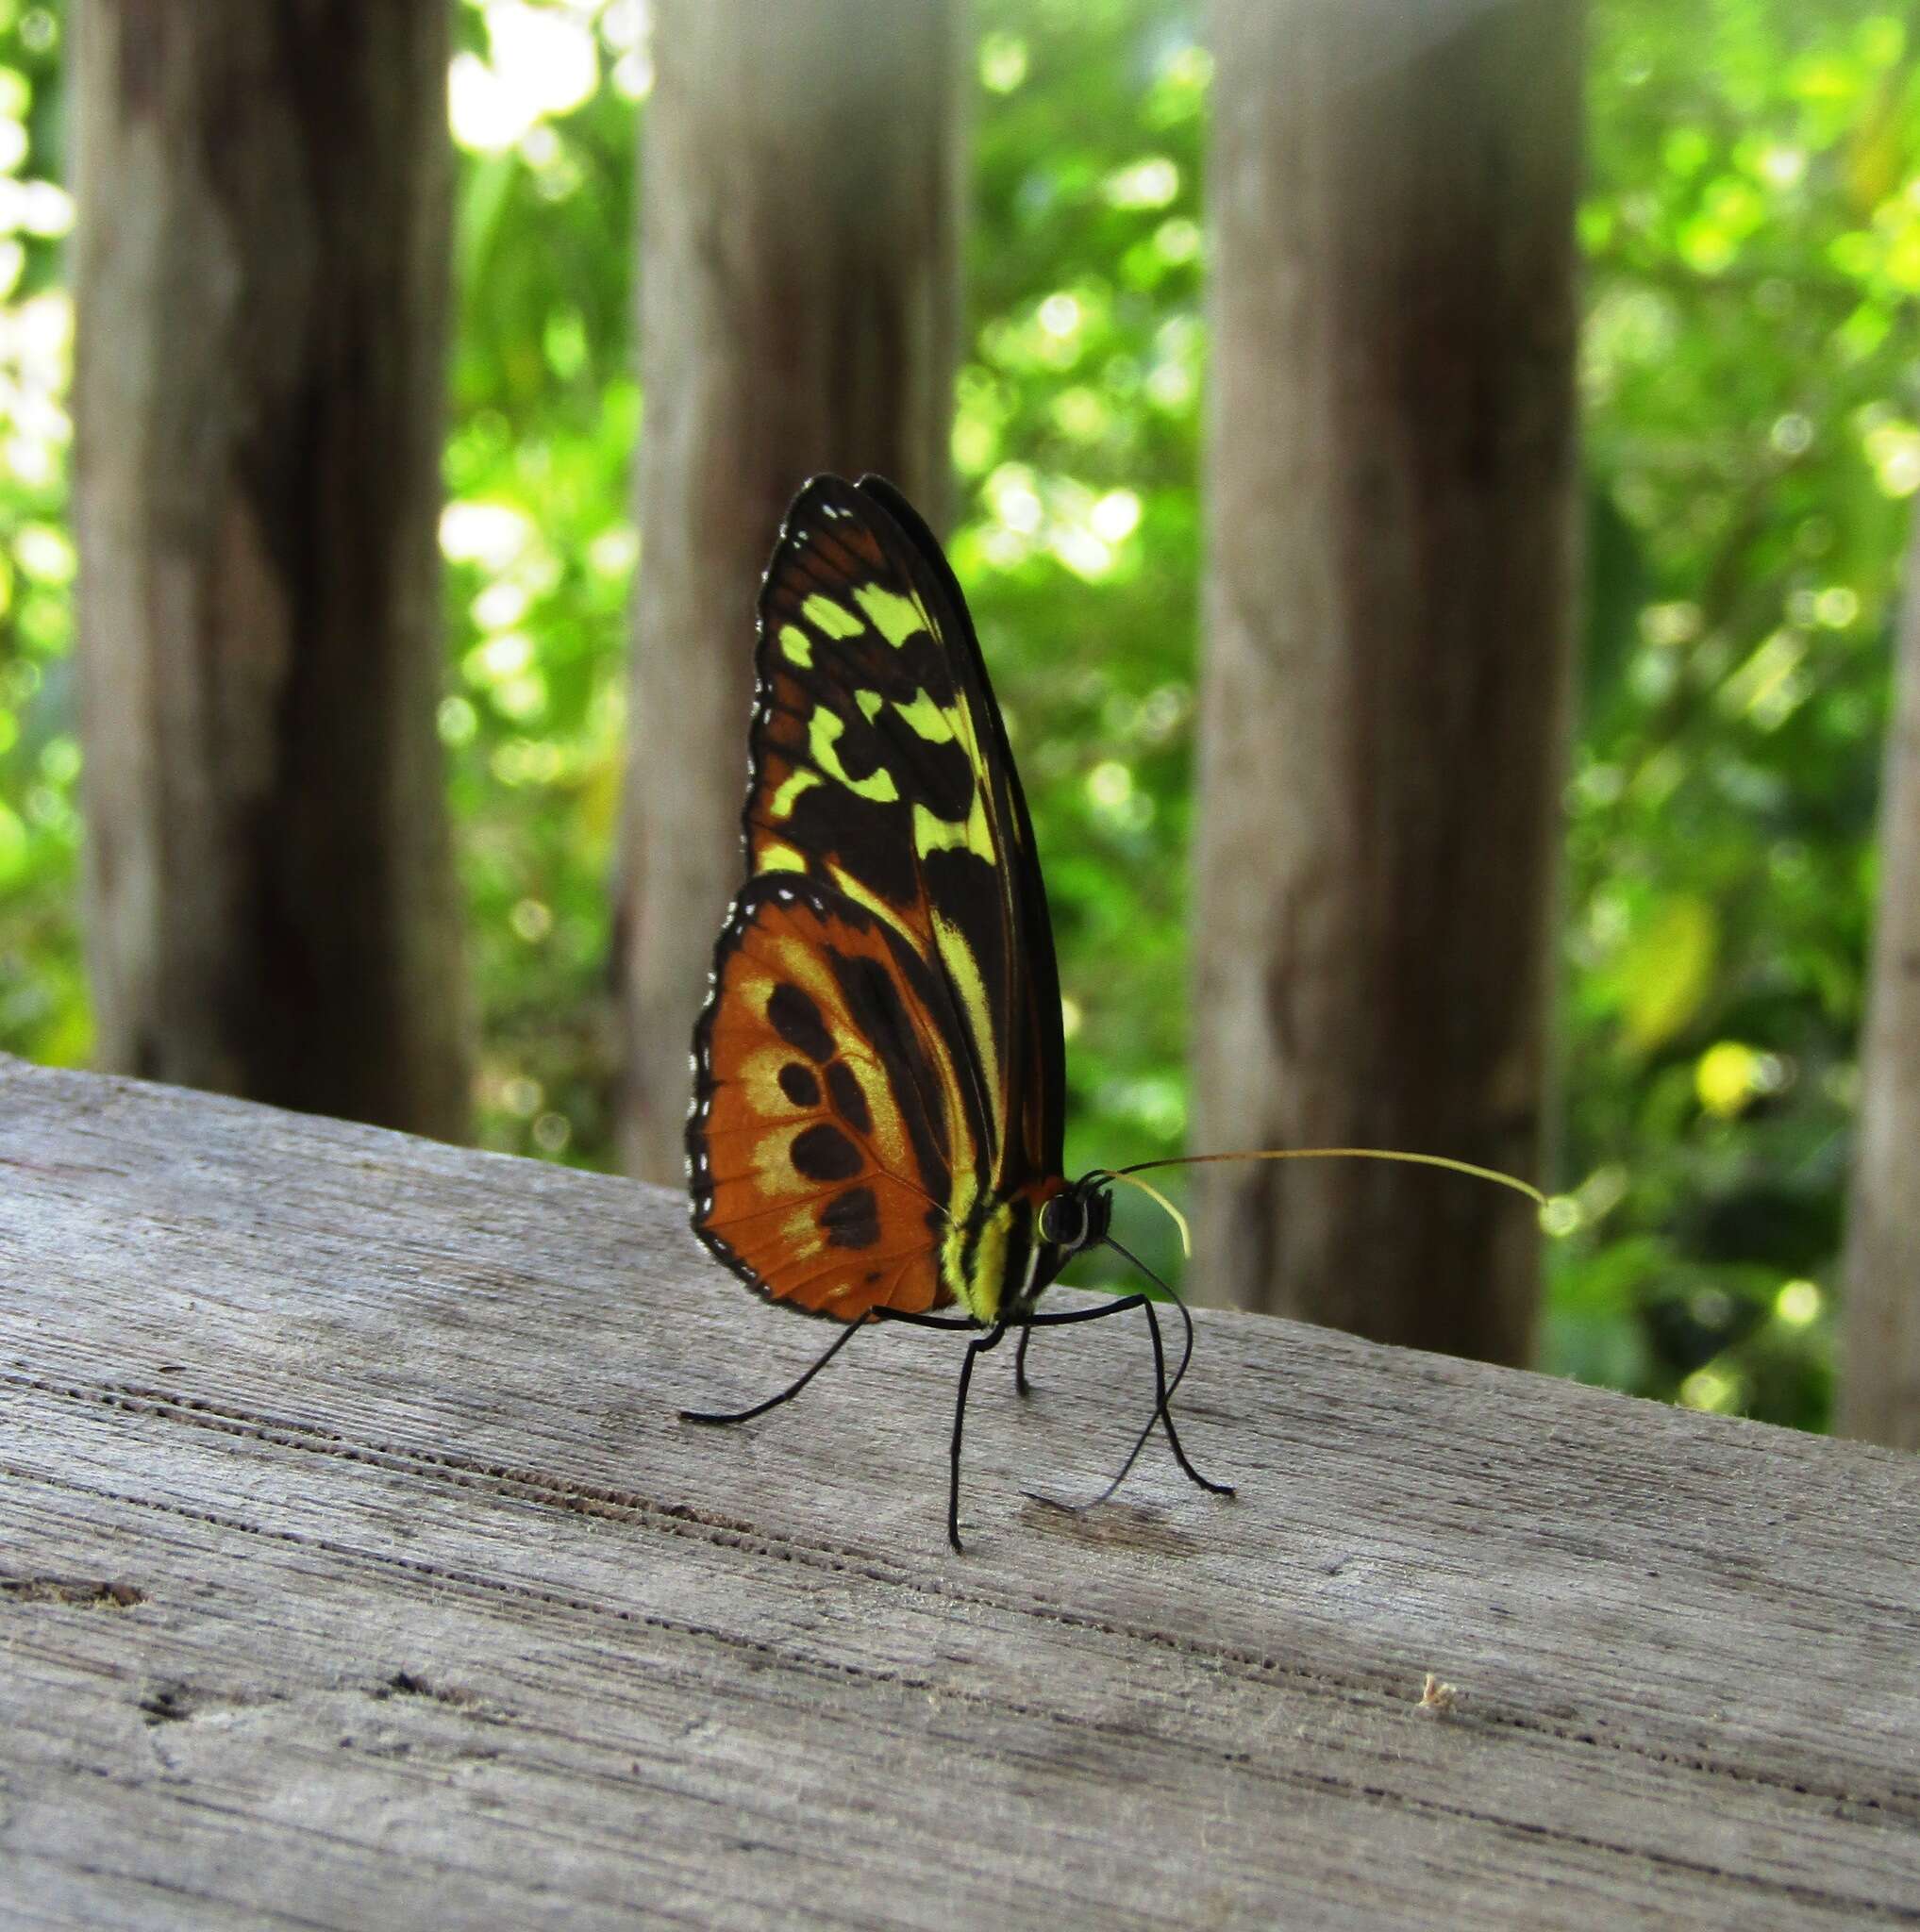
262, 270
1880, 1385
1388, 630
798, 312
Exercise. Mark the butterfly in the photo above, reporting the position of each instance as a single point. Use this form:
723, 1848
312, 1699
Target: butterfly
879, 1071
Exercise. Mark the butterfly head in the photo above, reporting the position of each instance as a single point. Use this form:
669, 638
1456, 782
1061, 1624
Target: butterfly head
1076, 1217
1073, 1216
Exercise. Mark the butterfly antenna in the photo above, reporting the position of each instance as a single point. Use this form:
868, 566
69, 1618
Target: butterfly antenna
1465, 1167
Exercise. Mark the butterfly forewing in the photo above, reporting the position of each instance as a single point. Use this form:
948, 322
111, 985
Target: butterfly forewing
891, 882
870, 765
1036, 1061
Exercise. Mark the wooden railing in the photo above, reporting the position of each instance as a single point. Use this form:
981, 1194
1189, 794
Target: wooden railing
355, 1570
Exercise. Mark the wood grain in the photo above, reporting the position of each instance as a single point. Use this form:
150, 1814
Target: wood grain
355, 1570
1879, 1384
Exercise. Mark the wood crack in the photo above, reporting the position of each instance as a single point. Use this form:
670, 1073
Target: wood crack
540, 1487
179, 1704
1252, 1670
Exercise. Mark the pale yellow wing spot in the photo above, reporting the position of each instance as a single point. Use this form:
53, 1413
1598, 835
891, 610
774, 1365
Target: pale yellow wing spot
783, 801
871, 703
759, 1074
931, 834
896, 618
797, 646
834, 617
927, 719
963, 972
772, 1172
887, 1138
864, 896
804, 967
824, 730
802, 1233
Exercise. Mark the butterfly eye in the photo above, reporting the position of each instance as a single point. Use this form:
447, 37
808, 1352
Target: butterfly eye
1063, 1222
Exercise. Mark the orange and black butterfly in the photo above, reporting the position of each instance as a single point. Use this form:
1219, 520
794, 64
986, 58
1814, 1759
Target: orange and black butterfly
880, 1072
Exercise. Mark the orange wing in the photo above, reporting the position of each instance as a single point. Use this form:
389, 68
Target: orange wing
827, 1113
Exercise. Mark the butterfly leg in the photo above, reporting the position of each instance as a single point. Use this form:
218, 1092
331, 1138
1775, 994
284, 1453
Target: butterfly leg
1163, 1398
1119, 1306
977, 1347
1163, 1406
787, 1394
1020, 1381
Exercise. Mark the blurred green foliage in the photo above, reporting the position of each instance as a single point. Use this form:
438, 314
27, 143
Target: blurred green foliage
1752, 233
1752, 237
42, 992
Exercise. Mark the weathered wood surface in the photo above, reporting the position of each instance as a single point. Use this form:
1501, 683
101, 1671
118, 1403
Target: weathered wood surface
358, 1572
264, 205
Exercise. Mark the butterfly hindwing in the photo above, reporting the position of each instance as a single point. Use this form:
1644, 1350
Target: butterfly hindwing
827, 1126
